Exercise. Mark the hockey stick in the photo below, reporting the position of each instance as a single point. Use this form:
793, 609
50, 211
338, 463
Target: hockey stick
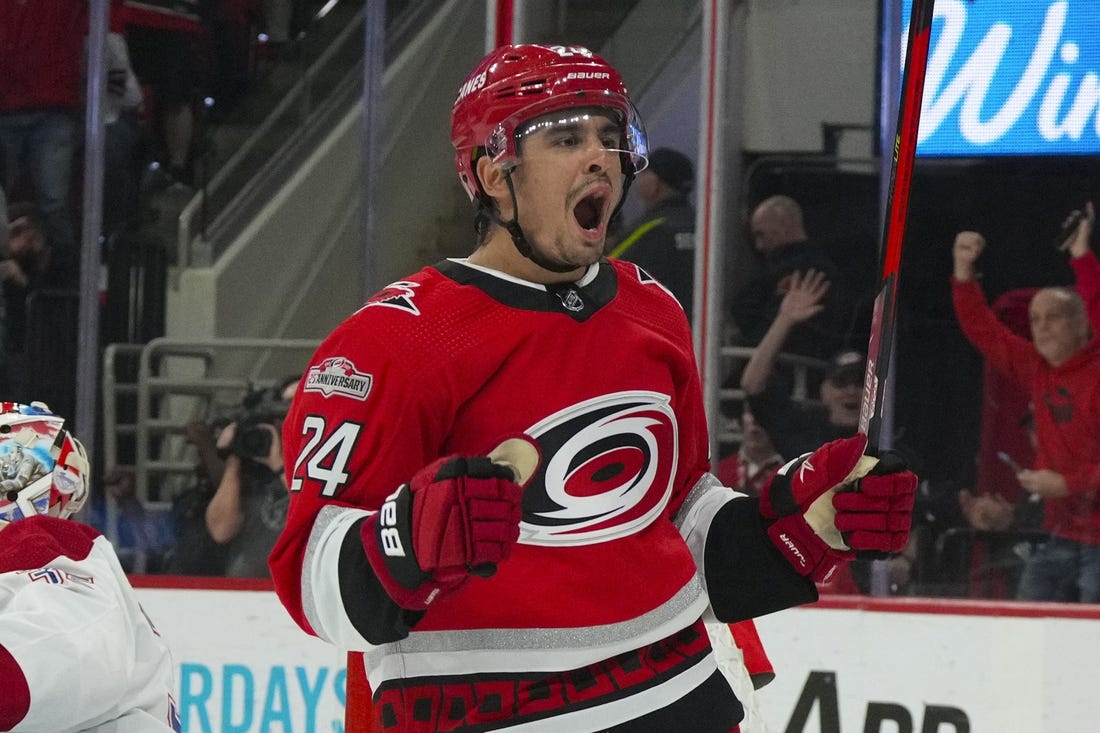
897, 208
522, 458
519, 455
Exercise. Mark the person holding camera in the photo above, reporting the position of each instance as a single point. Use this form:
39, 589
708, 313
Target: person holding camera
248, 510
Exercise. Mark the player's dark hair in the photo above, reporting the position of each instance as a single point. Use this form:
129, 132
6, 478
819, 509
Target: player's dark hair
486, 214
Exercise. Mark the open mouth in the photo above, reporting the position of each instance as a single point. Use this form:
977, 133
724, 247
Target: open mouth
589, 211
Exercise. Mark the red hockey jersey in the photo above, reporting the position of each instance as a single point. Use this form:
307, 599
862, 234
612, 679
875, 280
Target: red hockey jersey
603, 597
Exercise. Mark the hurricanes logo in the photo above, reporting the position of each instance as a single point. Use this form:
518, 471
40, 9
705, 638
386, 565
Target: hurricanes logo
396, 295
338, 375
646, 279
471, 86
607, 470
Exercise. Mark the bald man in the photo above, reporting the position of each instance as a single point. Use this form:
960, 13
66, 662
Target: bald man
1061, 368
784, 249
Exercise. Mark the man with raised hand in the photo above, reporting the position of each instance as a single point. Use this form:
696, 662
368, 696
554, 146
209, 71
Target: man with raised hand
1060, 367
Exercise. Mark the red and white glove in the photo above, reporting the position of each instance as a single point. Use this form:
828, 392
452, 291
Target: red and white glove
458, 517
832, 504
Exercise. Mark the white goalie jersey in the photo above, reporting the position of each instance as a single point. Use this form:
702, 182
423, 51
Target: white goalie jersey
77, 653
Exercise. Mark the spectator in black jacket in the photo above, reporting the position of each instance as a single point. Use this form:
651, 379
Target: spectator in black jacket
784, 249
662, 241
24, 262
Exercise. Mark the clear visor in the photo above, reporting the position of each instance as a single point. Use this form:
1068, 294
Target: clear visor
576, 126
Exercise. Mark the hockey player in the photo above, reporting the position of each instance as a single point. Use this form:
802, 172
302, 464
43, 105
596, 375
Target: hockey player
570, 597
76, 651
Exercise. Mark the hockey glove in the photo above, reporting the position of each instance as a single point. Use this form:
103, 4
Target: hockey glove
815, 532
458, 516
874, 519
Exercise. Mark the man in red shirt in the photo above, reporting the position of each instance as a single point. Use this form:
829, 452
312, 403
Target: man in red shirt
1062, 371
41, 100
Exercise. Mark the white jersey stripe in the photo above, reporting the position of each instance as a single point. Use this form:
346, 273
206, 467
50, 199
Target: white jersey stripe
429, 653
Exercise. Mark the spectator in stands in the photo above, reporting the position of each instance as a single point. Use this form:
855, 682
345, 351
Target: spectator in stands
662, 241
122, 138
795, 425
41, 101
1003, 516
784, 250
997, 506
756, 459
163, 36
142, 538
998, 503
248, 510
1062, 370
24, 263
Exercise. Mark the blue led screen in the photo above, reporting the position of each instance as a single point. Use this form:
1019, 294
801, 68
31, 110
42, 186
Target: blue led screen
1011, 77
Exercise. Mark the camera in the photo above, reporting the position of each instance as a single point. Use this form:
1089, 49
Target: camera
259, 408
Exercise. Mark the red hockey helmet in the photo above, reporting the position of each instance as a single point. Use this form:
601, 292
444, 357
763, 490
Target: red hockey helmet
515, 84
43, 468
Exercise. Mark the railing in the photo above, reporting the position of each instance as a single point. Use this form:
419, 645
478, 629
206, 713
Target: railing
152, 392
303, 109
803, 367
299, 102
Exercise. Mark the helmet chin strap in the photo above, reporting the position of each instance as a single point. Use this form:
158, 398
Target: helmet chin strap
520, 239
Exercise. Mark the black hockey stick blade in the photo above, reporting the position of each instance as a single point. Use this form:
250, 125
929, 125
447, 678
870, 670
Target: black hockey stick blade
897, 210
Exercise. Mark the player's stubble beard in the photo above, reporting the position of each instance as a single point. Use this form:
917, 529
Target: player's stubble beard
589, 252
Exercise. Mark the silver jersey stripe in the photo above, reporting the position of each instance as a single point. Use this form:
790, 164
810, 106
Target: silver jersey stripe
697, 513
428, 653
707, 486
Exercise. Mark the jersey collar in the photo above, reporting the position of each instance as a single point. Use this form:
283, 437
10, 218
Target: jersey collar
579, 300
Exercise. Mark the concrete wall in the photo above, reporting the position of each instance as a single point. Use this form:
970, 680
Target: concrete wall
295, 272
806, 63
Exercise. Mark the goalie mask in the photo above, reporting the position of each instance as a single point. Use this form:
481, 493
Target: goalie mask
514, 85
43, 468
